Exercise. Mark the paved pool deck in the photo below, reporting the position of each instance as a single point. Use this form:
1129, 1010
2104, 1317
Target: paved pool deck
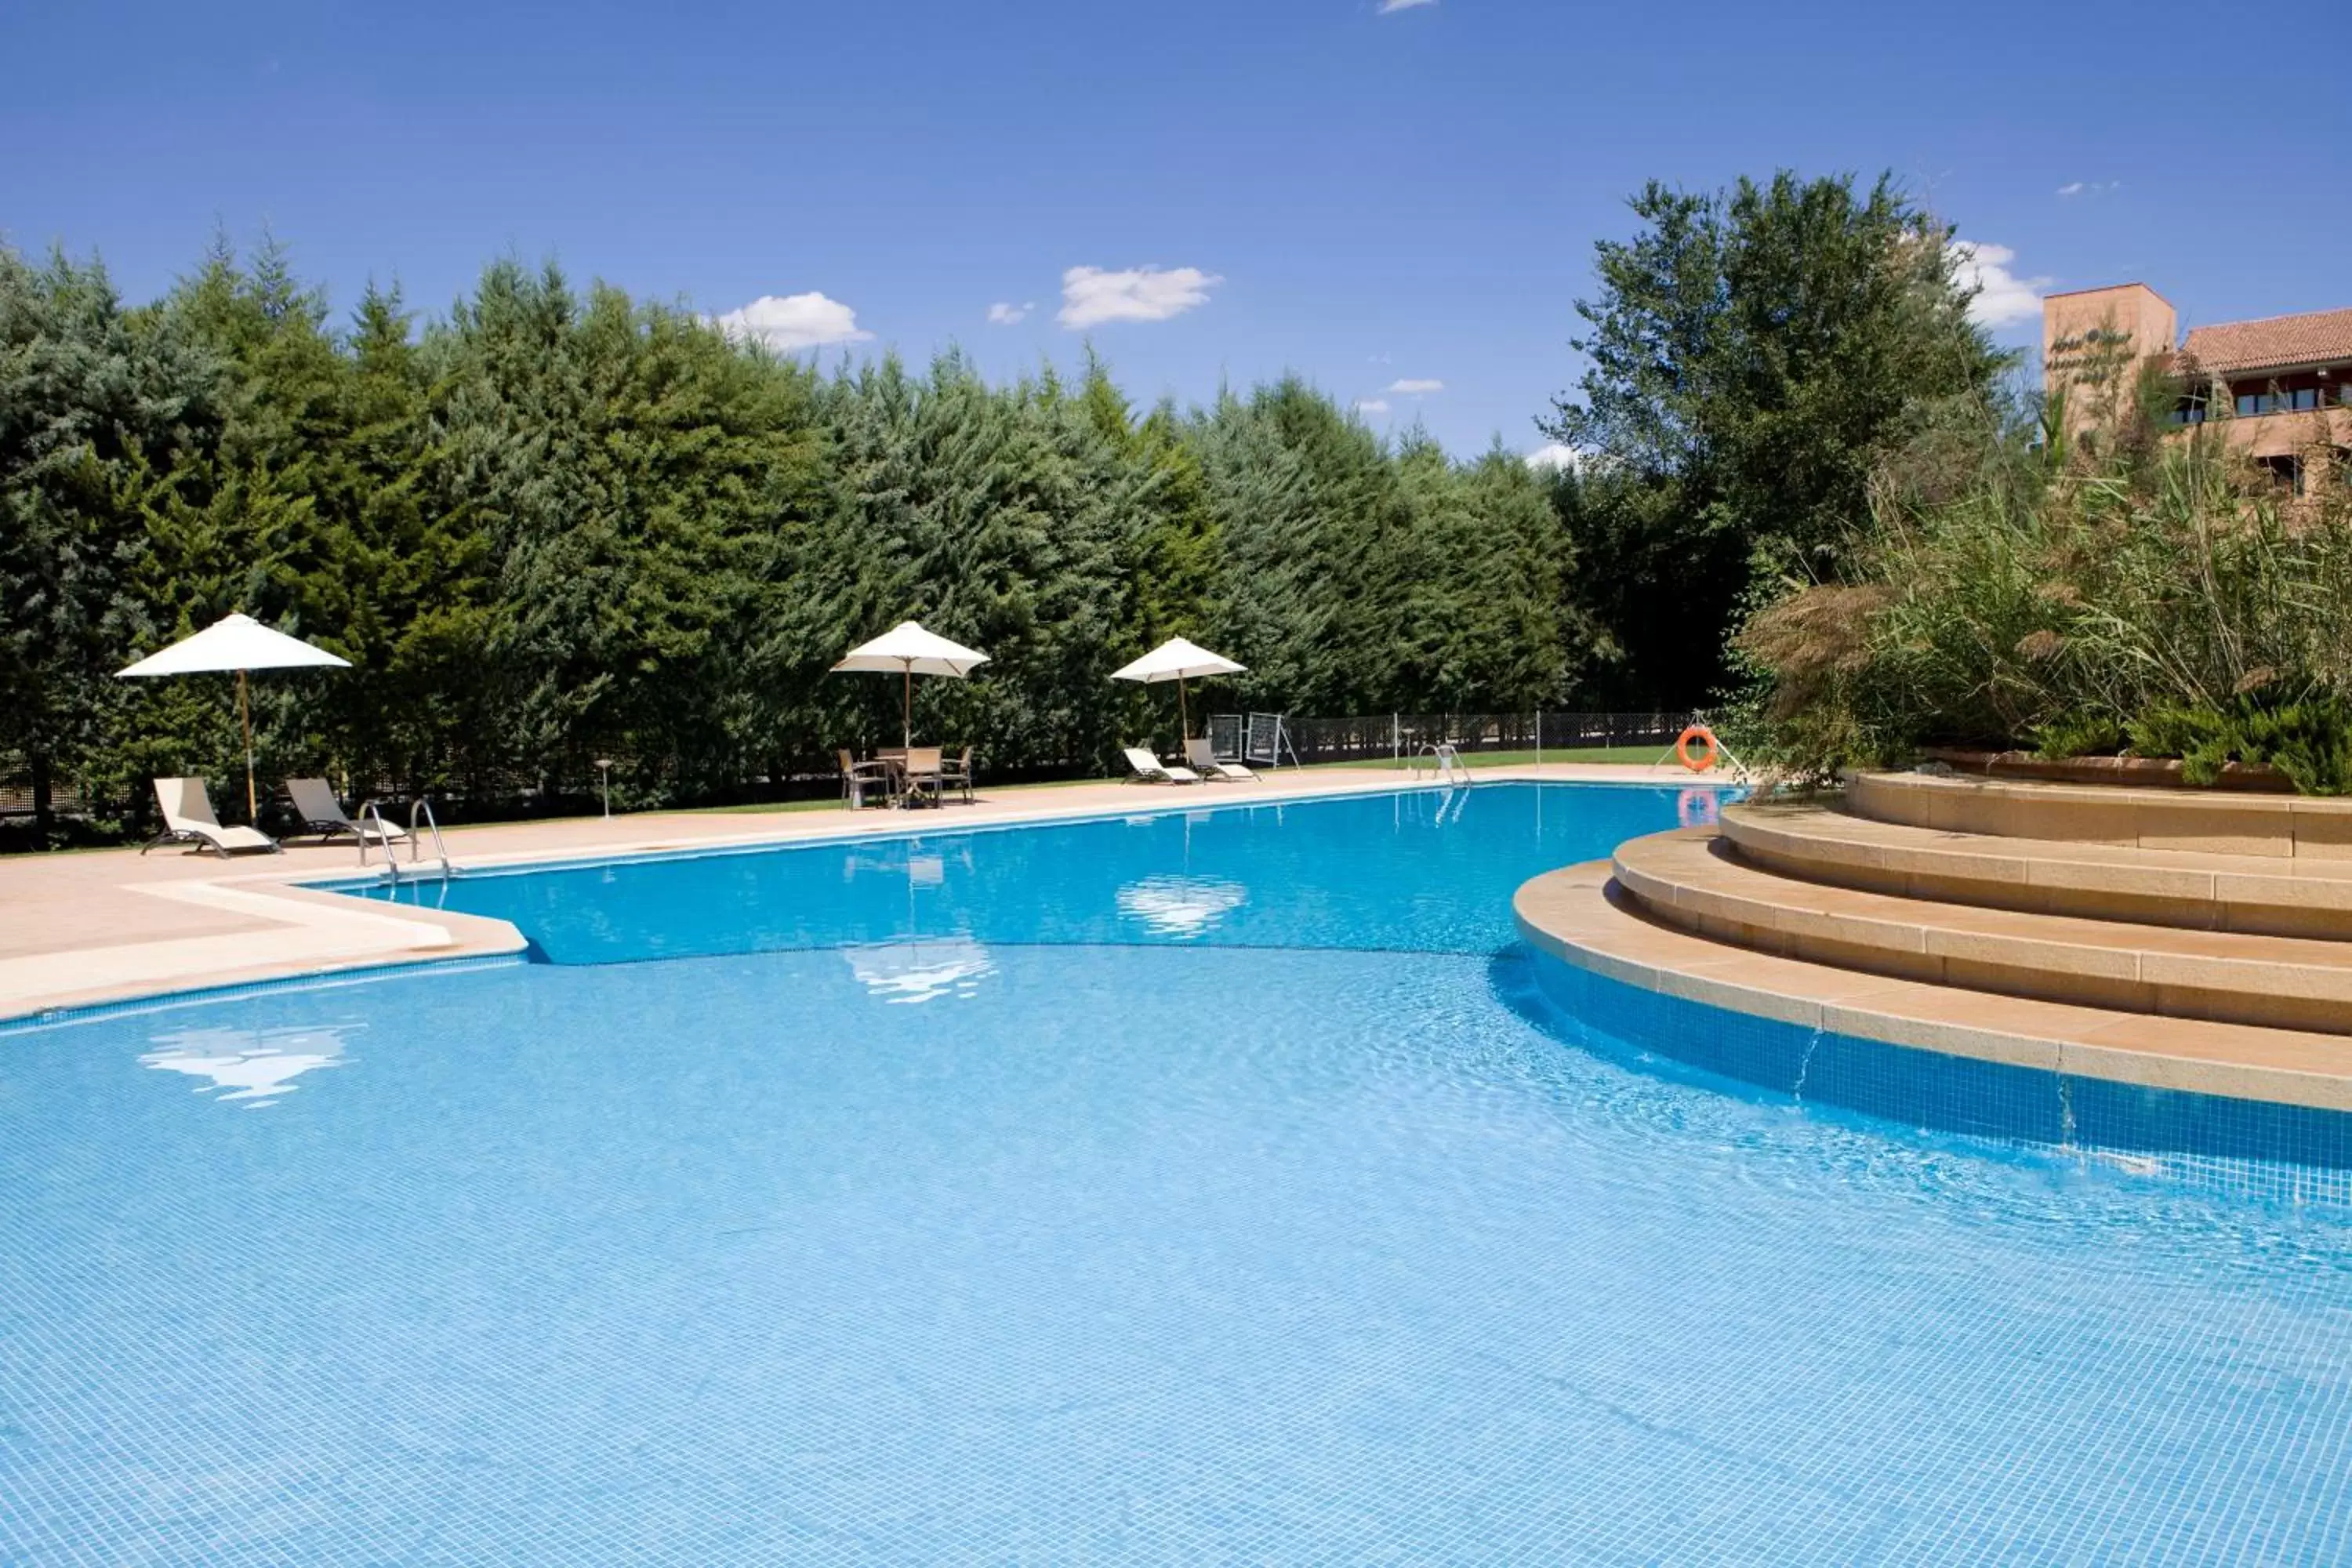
99, 926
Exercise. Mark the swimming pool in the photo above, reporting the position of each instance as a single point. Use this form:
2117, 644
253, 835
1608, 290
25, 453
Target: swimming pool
1199, 1186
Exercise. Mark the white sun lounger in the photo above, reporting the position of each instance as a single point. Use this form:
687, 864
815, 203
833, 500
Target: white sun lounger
1203, 759
1150, 768
323, 814
188, 819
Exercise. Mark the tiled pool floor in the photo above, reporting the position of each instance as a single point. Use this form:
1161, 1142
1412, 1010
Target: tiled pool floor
1169, 1253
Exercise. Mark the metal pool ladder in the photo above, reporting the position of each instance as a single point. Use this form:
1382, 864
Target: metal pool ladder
370, 813
1443, 762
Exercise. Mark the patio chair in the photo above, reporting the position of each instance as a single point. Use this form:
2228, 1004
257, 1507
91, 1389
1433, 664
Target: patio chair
920, 775
321, 813
857, 777
1204, 761
1149, 769
188, 819
957, 775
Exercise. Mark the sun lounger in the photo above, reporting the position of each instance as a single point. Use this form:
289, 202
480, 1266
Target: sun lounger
1197, 753
1150, 768
188, 819
323, 814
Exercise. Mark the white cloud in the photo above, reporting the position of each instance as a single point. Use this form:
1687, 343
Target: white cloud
1555, 458
1004, 313
1410, 386
1388, 5
1371, 406
2089, 188
1091, 296
789, 322
2002, 298
2071, 188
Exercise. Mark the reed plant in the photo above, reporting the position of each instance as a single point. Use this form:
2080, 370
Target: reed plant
2091, 582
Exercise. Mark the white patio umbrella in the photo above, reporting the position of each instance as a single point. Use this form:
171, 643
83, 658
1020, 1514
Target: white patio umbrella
239, 643
1179, 660
907, 650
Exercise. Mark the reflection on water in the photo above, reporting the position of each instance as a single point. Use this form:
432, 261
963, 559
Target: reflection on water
921, 969
255, 1067
1180, 906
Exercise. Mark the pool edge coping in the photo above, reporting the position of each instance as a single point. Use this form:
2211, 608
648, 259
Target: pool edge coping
304, 904
1568, 916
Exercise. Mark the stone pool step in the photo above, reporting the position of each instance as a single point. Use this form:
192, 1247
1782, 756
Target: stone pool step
1583, 915
2197, 821
2269, 894
1693, 880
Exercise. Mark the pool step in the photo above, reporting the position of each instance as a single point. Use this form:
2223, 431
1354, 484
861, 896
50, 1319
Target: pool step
2300, 896
1695, 880
1583, 915
2196, 821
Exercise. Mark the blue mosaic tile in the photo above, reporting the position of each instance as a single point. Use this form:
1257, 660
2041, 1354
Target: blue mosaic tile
1143, 1226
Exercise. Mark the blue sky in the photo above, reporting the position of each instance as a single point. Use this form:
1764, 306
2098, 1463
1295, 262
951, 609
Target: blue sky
1399, 202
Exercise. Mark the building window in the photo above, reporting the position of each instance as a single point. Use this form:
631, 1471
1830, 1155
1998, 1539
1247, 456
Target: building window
2286, 473
2302, 398
2254, 403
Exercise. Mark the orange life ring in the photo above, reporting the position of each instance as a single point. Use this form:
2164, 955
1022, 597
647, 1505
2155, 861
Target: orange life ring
1713, 754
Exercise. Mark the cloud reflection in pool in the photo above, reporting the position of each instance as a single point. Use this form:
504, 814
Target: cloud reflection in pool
254, 1067
1180, 906
921, 969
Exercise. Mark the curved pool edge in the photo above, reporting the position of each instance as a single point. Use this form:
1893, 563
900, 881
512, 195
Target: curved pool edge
299, 924
1941, 1057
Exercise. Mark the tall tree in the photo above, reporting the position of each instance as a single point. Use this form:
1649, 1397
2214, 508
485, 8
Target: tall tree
1753, 354
101, 413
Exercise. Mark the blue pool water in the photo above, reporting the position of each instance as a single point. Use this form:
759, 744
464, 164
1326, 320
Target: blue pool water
1221, 1188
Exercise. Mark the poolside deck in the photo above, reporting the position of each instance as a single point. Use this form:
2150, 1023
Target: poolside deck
111, 925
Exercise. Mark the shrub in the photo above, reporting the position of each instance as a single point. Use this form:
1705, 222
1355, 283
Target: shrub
2069, 595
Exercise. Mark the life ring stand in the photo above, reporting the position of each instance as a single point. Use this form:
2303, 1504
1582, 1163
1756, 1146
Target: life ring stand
1711, 753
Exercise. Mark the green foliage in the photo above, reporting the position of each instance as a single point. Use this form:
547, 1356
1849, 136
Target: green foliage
2070, 593
561, 524
2307, 736
2074, 735
1753, 354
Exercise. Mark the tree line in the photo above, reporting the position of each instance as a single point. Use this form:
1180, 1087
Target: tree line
554, 524
558, 524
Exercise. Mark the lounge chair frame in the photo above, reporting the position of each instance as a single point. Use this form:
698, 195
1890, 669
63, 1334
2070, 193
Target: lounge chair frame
183, 824
327, 828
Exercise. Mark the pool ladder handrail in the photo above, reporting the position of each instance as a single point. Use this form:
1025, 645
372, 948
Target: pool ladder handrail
372, 813
1444, 762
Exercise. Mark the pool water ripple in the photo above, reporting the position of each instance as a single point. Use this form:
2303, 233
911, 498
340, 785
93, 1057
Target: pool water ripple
1177, 1244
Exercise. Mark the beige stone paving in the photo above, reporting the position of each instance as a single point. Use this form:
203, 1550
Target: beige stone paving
109, 925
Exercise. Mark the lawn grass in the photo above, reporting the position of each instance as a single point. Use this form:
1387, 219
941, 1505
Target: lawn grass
1634, 755
1617, 754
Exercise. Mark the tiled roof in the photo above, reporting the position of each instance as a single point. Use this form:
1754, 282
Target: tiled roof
2232, 346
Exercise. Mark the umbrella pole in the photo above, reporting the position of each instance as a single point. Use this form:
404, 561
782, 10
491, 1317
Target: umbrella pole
244, 714
1183, 716
906, 711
